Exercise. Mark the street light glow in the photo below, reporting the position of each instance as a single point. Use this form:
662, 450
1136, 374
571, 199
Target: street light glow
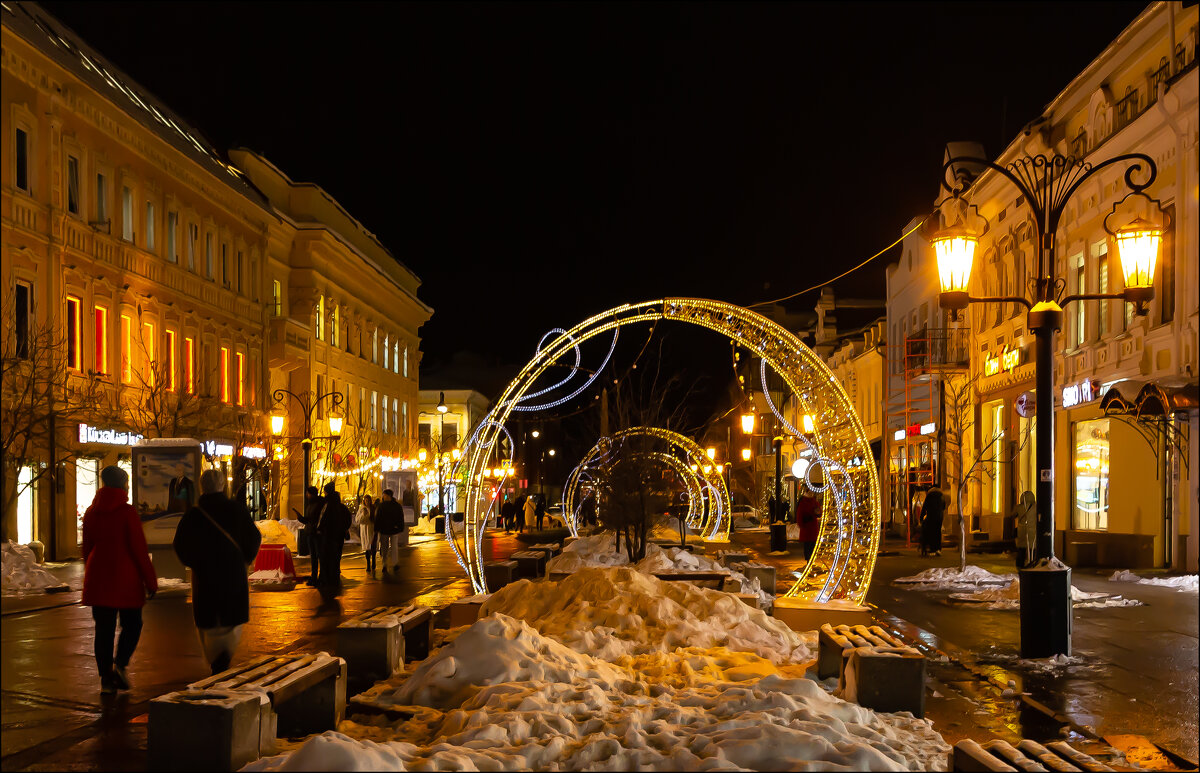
745, 454
335, 425
1137, 244
955, 248
277, 425
711, 453
747, 423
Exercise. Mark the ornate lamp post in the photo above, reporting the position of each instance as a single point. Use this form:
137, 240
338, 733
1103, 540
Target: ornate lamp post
1047, 184
306, 409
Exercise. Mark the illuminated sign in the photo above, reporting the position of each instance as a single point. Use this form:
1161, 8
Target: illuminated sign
1083, 392
112, 437
915, 430
899, 435
254, 452
928, 429
1008, 360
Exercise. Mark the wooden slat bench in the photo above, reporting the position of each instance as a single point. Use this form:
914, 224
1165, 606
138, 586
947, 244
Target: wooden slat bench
377, 642
833, 640
998, 755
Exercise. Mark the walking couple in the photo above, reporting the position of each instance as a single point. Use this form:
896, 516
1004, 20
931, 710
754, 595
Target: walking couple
381, 526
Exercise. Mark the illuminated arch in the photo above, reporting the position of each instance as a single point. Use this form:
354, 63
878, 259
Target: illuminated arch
703, 488
844, 557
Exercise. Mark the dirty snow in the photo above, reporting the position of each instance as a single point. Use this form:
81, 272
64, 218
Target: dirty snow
1185, 583
22, 574
506, 696
1009, 597
272, 576
281, 532
953, 578
424, 525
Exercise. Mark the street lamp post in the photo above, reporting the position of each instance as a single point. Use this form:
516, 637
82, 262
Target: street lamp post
1047, 184
306, 410
439, 453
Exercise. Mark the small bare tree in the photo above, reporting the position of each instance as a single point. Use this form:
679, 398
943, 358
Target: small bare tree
155, 403
41, 402
968, 462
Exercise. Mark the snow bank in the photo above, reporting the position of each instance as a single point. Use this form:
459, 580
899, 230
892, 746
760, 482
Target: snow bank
952, 577
281, 532
1009, 597
503, 696
424, 525
21, 571
272, 576
1186, 583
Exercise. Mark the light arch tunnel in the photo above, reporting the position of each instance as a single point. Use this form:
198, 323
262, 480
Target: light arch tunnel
841, 465
708, 496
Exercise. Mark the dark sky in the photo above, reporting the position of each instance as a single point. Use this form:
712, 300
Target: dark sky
535, 164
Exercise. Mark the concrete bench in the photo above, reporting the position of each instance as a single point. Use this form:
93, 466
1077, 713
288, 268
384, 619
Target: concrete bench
466, 611
714, 580
884, 679
232, 718
497, 574
832, 641
530, 563
377, 642
764, 573
551, 549
735, 557
999, 755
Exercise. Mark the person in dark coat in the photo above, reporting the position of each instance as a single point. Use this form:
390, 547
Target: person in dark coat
216, 539
118, 576
389, 522
313, 505
932, 513
540, 513
808, 519
507, 512
332, 524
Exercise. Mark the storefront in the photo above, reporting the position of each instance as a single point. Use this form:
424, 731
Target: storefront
99, 447
1004, 442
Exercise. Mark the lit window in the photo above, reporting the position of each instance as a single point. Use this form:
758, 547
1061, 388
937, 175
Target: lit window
224, 374
241, 378
395, 356
189, 366
148, 343
74, 335
151, 241
335, 333
385, 414
277, 297
320, 326
171, 360
386, 350
126, 349
403, 418
406, 362
1091, 460
374, 402
375, 345
102, 340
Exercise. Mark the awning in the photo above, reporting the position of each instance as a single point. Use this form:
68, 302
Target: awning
1150, 398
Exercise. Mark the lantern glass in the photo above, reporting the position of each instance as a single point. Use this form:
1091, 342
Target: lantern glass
277, 425
335, 425
1137, 244
710, 452
745, 454
809, 425
747, 423
422, 454
955, 249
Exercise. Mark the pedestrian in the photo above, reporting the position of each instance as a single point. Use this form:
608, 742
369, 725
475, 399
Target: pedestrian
540, 513
118, 576
932, 512
508, 512
365, 520
314, 505
527, 514
216, 538
389, 523
809, 522
332, 526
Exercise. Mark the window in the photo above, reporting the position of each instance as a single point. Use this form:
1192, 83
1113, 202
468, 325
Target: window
193, 243
362, 399
1102, 321
993, 434
424, 435
385, 414
237, 276
225, 265
406, 362
22, 160
22, 307
189, 366
403, 419
224, 365
173, 237
101, 325
241, 378
1080, 308
395, 424
449, 435
386, 349
73, 185
335, 332
126, 214
208, 256
126, 349
171, 361
253, 381
375, 345
1091, 457
321, 391
74, 334
396, 358
151, 241
148, 343
276, 298
1167, 280
101, 199
374, 402
320, 325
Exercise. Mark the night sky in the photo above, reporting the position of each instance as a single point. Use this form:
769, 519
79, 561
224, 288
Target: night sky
535, 164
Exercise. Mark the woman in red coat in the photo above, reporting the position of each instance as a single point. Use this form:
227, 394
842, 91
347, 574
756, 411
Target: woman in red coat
118, 576
809, 521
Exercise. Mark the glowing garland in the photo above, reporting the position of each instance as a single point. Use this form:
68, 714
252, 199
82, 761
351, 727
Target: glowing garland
846, 559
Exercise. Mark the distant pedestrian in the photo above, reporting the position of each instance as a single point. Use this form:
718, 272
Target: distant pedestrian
314, 505
118, 576
216, 539
364, 519
389, 523
508, 512
527, 514
540, 513
809, 522
332, 526
932, 512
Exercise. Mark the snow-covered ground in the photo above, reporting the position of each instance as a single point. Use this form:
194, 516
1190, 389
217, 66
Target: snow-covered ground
22, 574
933, 579
1186, 583
1009, 597
613, 669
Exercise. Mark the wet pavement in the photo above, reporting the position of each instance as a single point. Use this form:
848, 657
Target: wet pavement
1137, 672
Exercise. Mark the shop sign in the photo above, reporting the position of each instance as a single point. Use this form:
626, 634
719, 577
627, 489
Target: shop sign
254, 452
916, 430
1008, 360
112, 437
213, 448
1078, 394
900, 434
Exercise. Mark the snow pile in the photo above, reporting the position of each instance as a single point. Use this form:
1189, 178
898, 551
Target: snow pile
615, 612
282, 532
503, 696
1009, 597
1185, 583
424, 525
952, 578
272, 576
748, 524
22, 573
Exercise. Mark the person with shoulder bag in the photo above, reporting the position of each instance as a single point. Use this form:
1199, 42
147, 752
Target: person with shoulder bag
389, 522
332, 525
364, 519
217, 539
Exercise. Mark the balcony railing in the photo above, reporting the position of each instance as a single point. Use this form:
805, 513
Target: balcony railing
936, 348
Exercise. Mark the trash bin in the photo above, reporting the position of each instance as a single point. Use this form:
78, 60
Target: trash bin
778, 537
439, 524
